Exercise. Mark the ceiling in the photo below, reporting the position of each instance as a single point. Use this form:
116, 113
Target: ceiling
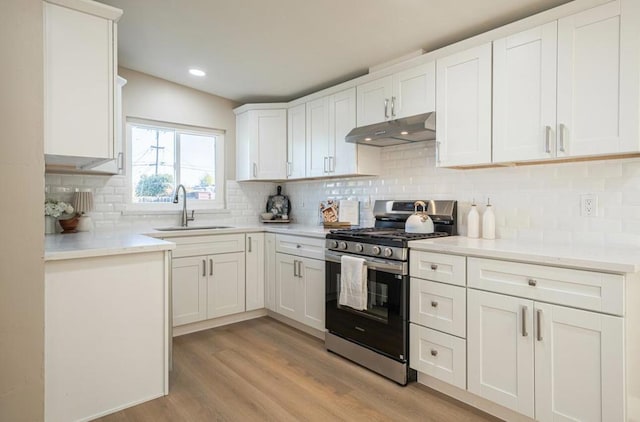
278, 50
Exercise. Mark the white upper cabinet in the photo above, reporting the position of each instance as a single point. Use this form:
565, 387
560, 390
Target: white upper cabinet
343, 157
524, 95
597, 82
414, 91
296, 139
374, 101
261, 144
318, 137
80, 62
463, 108
405, 93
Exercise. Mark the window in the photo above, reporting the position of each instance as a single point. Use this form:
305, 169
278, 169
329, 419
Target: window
163, 156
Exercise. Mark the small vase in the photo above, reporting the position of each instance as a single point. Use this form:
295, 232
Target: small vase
49, 224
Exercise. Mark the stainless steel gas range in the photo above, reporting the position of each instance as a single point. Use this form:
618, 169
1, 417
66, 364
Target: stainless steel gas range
377, 337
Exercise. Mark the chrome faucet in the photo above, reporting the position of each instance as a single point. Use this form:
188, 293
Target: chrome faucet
184, 221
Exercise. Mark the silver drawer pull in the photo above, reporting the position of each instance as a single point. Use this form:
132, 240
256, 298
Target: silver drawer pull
434, 352
434, 304
524, 321
434, 267
298, 246
539, 324
532, 282
204, 268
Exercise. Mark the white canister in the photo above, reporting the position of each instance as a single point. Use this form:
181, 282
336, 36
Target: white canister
473, 222
489, 222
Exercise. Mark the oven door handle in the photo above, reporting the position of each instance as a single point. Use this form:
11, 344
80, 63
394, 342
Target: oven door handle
390, 267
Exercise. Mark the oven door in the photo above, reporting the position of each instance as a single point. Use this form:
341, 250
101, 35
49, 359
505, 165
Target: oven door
383, 325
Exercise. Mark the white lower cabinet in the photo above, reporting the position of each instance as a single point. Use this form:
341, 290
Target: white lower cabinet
270, 271
255, 271
437, 354
208, 277
300, 279
546, 361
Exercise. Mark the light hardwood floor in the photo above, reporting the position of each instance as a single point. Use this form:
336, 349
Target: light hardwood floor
263, 370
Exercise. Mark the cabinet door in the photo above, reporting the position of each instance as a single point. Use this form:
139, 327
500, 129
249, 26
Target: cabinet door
269, 143
244, 166
225, 285
414, 91
312, 272
270, 271
288, 286
591, 93
342, 118
296, 140
579, 365
79, 83
463, 108
500, 350
317, 137
189, 284
374, 101
524, 95
255, 272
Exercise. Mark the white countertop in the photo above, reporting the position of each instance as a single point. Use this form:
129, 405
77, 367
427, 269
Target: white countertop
608, 259
283, 228
89, 244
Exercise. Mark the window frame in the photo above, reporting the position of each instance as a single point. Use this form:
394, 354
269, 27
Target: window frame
217, 204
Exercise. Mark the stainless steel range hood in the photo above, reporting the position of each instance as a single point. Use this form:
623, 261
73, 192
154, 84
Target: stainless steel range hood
418, 128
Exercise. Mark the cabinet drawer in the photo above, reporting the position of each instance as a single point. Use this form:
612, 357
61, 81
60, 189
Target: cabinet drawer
309, 247
207, 245
581, 289
440, 355
438, 267
439, 306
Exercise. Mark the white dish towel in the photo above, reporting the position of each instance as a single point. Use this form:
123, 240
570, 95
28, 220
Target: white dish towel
353, 283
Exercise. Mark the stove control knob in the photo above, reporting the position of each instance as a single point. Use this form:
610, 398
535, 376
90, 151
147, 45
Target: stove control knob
388, 252
333, 244
343, 245
359, 247
376, 250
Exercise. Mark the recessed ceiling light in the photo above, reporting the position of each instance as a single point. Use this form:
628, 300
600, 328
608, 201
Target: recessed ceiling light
367, 139
404, 132
197, 72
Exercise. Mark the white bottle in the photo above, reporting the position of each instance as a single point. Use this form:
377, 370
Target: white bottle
489, 222
473, 222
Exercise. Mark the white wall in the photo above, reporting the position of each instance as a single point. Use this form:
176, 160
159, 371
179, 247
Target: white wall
538, 202
151, 98
21, 187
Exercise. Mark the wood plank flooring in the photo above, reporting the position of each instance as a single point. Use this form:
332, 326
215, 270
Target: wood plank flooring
263, 370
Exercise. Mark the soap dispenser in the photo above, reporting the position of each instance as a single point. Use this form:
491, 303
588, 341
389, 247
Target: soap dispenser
473, 222
489, 222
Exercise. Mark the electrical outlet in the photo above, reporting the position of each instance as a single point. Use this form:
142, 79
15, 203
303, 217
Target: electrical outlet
589, 205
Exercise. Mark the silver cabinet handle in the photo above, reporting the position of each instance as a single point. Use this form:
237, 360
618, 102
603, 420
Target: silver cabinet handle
434, 267
386, 108
300, 269
289, 168
437, 152
434, 352
393, 106
210, 266
547, 139
539, 324
120, 161
561, 129
524, 321
532, 282
204, 268
325, 165
332, 164
255, 170
434, 304
249, 238
295, 268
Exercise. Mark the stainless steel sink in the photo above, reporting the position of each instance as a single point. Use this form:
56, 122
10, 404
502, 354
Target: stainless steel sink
179, 228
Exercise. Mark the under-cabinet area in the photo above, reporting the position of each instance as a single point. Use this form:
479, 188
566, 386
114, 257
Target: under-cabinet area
523, 339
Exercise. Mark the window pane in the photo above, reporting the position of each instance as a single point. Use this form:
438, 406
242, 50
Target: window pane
198, 166
153, 164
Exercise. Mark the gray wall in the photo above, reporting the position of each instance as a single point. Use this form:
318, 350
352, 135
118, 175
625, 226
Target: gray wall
21, 188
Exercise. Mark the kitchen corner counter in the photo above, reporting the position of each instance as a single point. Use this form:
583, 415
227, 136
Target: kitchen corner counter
291, 229
608, 259
91, 244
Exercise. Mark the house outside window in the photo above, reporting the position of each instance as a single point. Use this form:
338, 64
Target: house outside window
161, 156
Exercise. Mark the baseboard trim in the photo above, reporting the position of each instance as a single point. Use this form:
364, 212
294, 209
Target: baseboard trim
217, 322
